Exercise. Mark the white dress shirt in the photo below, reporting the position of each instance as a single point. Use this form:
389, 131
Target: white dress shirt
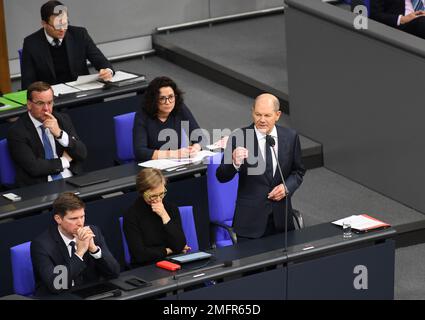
261, 137
64, 142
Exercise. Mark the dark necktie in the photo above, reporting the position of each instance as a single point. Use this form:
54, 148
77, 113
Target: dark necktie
56, 43
72, 245
48, 151
417, 5
269, 162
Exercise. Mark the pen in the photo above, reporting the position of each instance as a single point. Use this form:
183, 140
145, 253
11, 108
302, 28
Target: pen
199, 275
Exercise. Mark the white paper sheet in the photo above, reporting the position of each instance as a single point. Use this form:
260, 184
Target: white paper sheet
62, 88
361, 222
121, 75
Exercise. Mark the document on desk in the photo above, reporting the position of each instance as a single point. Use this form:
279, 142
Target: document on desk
161, 164
362, 222
121, 76
88, 82
62, 88
199, 157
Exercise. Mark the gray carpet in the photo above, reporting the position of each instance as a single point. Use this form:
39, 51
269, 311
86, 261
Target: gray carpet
326, 196
254, 47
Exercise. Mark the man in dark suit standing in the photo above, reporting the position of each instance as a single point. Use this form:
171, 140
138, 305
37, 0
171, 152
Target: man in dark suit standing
260, 205
406, 15
43, 144
57, 53
70, 254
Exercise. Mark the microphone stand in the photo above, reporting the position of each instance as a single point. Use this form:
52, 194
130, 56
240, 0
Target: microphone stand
271, 143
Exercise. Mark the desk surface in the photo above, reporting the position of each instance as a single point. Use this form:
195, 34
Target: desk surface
250, 255
81, 98
41, 196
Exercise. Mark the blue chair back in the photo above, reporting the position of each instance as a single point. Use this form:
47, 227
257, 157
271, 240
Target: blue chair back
188, 225
124, 136
23, 275
221, 200
7, 169
127, 257
189, 229
20, 58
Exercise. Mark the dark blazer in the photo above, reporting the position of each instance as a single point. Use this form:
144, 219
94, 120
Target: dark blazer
148, 237
37, 61
252, 206
27, 151
387, 11
48, 251
146, 131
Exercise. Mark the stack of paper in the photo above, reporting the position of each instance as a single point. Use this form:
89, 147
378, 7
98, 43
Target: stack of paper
362, 222
62, 88
164, 164
88, 82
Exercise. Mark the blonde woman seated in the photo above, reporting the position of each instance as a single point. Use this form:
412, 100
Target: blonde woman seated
152, 225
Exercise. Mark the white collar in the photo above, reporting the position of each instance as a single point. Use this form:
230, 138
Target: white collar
36, 123
65, 238
50, 39
261, 135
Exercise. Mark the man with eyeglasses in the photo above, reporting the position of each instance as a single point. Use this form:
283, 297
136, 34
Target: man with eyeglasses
57, 53
43, 144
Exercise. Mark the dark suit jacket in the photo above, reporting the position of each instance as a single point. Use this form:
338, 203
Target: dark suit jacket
252, 206
27, 151
387, 11
37, 61
48, 251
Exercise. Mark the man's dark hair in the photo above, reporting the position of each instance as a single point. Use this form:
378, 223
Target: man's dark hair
67, 201
152, 95
48, 8
38, 86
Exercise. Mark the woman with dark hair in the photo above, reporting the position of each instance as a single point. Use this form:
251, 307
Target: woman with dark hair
157, 131
152, 225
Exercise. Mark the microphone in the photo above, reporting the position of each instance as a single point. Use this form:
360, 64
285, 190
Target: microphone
224, 264
271, 143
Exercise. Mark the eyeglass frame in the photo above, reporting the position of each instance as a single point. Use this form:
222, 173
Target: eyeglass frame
170, 99
42, 103
149, 196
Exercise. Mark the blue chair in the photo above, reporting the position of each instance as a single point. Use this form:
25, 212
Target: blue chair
7, 169
221, 203
189, 229
124, 136
23, 275
127, 257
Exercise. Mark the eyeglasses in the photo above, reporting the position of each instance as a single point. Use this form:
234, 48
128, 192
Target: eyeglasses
170, 99
42, 103
153, 197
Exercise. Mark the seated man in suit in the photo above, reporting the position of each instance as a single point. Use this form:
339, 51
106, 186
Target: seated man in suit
406, 15
43, 144
260, 204
79, 252
58, 52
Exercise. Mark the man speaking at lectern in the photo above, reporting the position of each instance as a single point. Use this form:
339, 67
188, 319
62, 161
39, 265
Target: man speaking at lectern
260, 204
